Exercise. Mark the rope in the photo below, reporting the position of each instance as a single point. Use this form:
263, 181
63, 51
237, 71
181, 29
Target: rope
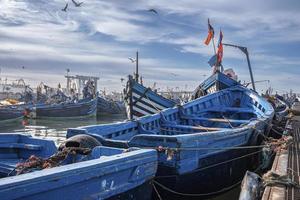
37, 163
156, 191
227, 121
152, 103
273, 179
283, 180
196, 195
160, 148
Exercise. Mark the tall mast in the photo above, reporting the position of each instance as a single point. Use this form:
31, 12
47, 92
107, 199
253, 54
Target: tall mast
137, 67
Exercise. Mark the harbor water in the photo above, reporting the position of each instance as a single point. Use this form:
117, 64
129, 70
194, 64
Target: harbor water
55, 129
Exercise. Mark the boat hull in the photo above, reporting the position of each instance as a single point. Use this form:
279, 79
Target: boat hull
11, 114
106, 107
81, 109
204, 183
104, 173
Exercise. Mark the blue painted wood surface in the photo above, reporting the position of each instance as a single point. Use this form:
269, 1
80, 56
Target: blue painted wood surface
105, 173
242, 116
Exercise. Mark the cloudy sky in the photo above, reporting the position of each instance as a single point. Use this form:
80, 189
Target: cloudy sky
98, 37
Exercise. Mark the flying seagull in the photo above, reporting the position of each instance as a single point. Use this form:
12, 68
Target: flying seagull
65, 8
131, 59
77, 4
152, 10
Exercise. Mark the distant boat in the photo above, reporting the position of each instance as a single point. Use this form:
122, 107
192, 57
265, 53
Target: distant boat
81, 108
11, 113
199, 143
142, 101
108, 107
282, 108
103, 173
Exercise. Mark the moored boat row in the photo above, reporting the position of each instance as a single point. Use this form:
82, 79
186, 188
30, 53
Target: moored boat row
197, 142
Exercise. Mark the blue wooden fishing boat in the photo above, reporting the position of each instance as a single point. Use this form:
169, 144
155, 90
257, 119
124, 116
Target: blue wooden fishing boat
142, 101
11, 113
80, 108
216, 82
103, 173
200, 144
108, 107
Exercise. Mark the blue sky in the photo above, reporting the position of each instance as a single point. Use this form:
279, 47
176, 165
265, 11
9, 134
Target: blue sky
97, 38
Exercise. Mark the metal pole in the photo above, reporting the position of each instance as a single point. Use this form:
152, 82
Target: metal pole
245, 51
250, 69
213, 41
137, 67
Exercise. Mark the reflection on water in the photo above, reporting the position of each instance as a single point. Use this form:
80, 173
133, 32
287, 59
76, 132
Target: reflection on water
55, 129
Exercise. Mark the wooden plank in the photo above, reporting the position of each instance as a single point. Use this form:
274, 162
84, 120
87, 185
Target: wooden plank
202, 128
215, 119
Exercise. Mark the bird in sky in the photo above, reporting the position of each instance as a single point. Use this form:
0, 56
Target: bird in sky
131, 59
77, 4
153, 10
65, 8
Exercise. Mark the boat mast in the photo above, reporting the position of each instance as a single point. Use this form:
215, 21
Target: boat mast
245, 51
137, 67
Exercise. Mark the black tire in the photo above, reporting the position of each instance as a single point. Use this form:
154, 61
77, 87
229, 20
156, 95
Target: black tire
81, 140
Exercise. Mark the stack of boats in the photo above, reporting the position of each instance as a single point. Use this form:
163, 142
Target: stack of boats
194, 150
59, 105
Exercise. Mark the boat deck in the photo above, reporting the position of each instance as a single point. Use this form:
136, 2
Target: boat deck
287, 162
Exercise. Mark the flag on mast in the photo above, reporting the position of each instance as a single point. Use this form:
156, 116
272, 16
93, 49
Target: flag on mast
220, 48
211, 33
213, 60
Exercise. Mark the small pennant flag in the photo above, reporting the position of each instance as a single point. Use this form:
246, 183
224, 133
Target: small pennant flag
213, 60
210, 35
220, 48
220, 38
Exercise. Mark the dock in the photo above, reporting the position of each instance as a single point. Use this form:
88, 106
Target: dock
287, 163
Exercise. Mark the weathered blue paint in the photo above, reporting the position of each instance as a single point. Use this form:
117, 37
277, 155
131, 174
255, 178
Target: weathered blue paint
107, 173
201, 123
83, 107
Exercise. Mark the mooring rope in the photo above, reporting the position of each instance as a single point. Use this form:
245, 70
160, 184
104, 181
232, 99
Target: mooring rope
282, 180
195, 195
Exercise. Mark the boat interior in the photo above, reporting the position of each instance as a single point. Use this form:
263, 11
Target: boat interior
17, 148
